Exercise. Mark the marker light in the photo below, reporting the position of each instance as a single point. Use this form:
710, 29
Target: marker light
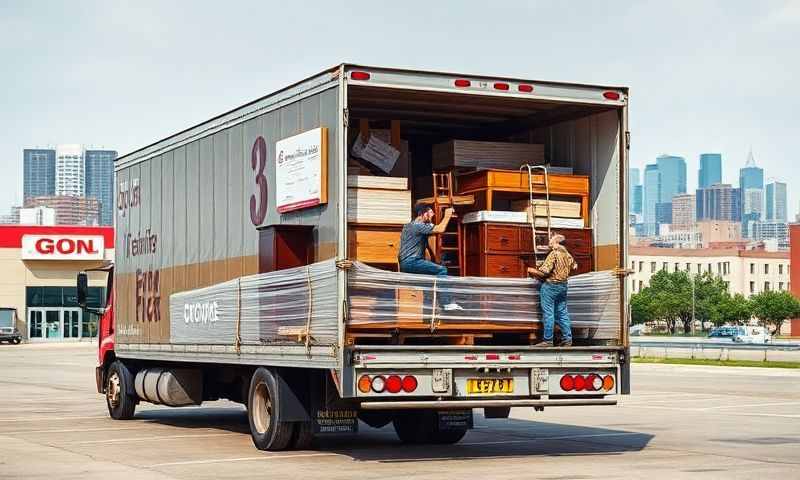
378, 384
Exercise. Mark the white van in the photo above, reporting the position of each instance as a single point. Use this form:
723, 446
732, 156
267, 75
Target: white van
750, 334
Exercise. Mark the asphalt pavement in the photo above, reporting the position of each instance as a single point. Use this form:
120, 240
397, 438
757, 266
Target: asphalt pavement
681, 422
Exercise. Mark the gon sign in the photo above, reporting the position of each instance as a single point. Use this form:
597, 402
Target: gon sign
62, 247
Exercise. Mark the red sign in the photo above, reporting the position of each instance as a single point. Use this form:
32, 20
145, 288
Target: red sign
60, 247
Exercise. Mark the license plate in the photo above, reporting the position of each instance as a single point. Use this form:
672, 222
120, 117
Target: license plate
490, 385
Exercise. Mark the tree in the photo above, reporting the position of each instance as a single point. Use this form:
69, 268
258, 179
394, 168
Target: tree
734, 309
668, 298
710, 291
772, 308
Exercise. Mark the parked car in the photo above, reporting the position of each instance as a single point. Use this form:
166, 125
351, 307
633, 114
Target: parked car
8, 326
725, 331
752, 335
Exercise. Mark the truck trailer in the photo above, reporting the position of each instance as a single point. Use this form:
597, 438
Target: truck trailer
256, 256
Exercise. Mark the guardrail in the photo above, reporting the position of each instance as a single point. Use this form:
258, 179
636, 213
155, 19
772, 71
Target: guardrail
787, 352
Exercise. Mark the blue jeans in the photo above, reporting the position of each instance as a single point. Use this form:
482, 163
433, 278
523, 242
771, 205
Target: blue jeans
553, 299
425, 267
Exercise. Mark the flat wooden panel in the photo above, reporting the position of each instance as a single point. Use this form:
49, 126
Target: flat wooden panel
502, 238
374, 244
409, 305
507, 266
473, 154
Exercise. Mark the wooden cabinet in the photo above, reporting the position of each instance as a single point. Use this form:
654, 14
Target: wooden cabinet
284, 246
506, 250
374, 244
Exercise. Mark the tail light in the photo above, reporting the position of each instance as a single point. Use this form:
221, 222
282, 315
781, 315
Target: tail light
591, 382
378, 384
359, 75
611, 95
364, 384
394, 384
580, 383
525, 88
608, 382
567, 383
500, 86
462, 83
409, 383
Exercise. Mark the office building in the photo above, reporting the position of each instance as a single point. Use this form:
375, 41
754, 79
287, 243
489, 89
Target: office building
719, 231
710, 172
683, 211
672, 170
69, 210
718, 202
99, 181
776, 202
771, 230
751, 187
70, 171
39, 172
663, 214
635, 191
650, 198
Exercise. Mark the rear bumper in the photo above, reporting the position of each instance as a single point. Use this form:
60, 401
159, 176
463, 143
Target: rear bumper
460, 404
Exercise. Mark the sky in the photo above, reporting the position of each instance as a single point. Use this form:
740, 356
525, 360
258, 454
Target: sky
705, 76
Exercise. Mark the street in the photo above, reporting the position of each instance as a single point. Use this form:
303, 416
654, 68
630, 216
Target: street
681, 422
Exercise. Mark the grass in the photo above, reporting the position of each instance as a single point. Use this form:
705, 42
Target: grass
717, 363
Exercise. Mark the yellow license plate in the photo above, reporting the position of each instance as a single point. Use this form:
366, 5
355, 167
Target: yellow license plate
490, 385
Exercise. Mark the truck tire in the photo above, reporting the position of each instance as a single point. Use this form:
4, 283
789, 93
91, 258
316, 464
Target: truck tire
16, 341
262, 413
120, 393
303, 436
421, 427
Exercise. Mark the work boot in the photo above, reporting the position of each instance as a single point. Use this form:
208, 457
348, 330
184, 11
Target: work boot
565, 343
543, 343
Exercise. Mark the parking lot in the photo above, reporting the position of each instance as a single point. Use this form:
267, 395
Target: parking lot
681, 422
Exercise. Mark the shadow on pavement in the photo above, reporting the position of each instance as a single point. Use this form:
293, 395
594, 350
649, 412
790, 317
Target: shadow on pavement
490, 439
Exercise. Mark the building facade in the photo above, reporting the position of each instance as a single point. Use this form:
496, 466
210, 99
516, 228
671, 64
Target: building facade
772, 230
99, 171
744, 271
719, 231
651, 198
70, 170
710, 172
69, 210
39, 266
38, 172
719, 202
673, 176
683, 211
777, 207
634, 185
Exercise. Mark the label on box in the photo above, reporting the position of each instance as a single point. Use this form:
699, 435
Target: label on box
376, 152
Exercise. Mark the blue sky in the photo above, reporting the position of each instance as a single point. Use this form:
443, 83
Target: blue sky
705, 76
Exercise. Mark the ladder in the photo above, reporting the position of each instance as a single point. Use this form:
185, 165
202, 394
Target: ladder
447, 249
538, 250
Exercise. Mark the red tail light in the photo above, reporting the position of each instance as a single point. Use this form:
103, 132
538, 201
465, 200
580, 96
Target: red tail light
500, 86
580, 383
394, 384
567, 383
359, 75
462, 83
525, 88
611, 95
409, 383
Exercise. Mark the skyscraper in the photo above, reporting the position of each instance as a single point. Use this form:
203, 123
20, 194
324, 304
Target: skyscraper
683, 211
651, 197
99, 171
751, 186
634, 181
39, 172
776, 202
719, 202
710, 171
70, 170
673, 176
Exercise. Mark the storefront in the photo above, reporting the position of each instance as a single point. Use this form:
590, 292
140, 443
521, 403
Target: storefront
38, 265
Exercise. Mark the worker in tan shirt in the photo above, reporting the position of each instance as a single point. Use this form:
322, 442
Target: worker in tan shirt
554, 272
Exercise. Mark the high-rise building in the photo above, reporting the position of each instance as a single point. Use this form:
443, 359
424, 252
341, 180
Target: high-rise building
751, 187
673, 176
636, 202
69, 210
719, 202
710, 171
776, 202
39, 172
634, 181
99, 180
771, 230
651, 198
70, 171
683, 210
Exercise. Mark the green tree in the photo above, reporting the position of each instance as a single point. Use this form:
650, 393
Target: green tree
668, 298
772, 308
709, 291
733, 309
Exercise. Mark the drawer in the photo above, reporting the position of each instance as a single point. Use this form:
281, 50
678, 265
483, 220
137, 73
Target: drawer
373, 245
508, 266
500, 238
577, 242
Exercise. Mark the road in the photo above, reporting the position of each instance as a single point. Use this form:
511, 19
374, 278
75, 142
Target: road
681, 422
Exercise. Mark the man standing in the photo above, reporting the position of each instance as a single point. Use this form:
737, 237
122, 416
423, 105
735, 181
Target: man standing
554, 273
414, 241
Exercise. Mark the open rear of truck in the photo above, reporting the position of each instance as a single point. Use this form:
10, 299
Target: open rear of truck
300, 312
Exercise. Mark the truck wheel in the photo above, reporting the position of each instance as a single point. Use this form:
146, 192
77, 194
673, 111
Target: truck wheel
120, 394
16, 341
303, 435
262, 412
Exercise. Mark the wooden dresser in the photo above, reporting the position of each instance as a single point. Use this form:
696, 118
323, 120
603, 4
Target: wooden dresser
506, 249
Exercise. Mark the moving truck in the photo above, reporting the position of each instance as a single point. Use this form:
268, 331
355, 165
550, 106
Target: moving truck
242, 271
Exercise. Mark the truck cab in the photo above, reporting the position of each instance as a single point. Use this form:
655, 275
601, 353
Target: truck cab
8, 326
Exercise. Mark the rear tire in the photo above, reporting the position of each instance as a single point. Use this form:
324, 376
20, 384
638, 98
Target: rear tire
16, 341
263, 412
120, 393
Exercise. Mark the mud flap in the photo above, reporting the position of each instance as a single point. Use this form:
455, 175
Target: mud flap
455, 419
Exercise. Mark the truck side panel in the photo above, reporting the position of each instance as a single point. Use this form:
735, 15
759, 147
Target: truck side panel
187, 219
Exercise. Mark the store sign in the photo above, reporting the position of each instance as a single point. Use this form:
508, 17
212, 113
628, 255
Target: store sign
301, 175
62, 247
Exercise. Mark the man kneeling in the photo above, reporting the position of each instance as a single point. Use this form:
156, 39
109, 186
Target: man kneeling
414, 241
